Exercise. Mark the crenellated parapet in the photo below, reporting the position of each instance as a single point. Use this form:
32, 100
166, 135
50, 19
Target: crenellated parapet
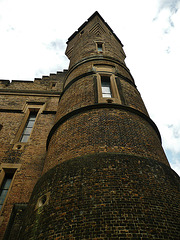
53, 82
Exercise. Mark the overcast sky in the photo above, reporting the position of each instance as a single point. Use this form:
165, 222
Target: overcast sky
33, 35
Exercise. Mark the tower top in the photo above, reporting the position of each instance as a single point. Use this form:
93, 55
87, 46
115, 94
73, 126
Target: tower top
95, 14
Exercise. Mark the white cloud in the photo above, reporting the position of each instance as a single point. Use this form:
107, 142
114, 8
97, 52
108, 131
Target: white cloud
175, 163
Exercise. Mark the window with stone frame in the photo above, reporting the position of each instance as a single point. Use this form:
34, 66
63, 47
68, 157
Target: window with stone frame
106, 87
100, 47
5, 187
7, 175
106, 84
31, 111
29, 126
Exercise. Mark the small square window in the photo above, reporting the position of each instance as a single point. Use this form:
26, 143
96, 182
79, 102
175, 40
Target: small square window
53, 85
100, 47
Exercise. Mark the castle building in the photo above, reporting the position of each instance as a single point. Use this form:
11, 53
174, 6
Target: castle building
80, 158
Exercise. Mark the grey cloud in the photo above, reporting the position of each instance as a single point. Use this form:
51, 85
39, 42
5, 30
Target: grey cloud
10, 28
56, 45
176, 133
175, 130
171, 22
172, 5
168, 50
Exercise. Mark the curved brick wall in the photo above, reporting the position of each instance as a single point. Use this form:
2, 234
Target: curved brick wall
106, 196
83, 92
132, 97
103, 129
87, 65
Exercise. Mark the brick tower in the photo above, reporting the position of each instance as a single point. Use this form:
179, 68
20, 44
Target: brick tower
105, 175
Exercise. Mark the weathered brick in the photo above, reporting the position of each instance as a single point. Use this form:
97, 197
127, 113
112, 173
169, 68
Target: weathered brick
93, 168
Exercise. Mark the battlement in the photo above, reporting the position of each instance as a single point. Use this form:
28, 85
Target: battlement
53, 82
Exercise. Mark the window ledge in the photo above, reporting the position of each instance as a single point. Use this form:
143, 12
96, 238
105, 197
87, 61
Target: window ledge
109, 100
19, 146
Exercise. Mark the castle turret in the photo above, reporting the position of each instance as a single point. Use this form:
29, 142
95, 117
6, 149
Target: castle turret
105, 175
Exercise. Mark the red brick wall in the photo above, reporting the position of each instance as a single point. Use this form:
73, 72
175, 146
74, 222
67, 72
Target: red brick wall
106, 196
13, 98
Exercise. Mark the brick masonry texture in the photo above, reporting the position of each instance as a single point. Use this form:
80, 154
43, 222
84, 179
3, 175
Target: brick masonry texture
31, 158
38, 84
82, 93
89, 64
132, 97
93, 167
102, 130
106, 196
15, 222
13, 97
79, 94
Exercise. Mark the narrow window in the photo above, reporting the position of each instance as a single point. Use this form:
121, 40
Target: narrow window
100, 47
29, 126
5, 187
106, 87
53, 85
107, 91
